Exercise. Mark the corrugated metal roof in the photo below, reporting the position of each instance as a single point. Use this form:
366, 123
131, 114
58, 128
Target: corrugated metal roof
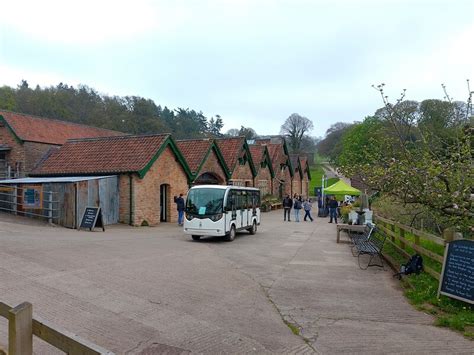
34, 180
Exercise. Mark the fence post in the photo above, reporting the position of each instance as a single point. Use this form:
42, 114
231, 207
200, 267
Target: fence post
20, 330
15, 199
402, 243
50, 206
392, 228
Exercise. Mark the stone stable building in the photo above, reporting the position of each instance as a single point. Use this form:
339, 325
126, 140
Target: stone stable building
238, 159
281, 164
297, 179
26, 139
150, 168
263, 166
306, 176
205, 161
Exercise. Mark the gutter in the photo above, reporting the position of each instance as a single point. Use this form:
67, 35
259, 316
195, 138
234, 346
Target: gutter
131, 211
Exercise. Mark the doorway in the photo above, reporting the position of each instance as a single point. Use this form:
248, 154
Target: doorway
164, 203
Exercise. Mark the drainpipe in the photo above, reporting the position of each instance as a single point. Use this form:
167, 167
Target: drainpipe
132, 214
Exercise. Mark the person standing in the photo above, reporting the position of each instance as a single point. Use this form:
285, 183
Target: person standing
307, 205
180, 207
297, 204
333, 205
287, 204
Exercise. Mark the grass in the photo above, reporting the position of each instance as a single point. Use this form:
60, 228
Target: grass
317, 173
422, 291
294, 329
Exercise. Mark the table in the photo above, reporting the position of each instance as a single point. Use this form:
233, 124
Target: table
348, 228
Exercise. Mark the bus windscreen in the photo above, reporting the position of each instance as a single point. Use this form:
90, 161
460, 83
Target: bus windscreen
205, 201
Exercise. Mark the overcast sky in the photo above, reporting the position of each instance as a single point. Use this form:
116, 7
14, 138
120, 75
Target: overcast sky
252, 62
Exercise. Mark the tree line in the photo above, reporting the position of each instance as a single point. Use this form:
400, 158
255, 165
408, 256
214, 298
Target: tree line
128, 114
135, 115
419, 153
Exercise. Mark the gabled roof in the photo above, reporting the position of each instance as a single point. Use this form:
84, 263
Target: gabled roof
108, 155
261, 158
278, 153
305, 166
296, 164
232, 149
196, 152
45, 130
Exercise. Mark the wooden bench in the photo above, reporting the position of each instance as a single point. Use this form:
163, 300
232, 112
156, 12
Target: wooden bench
276, 205
371, 246
348, 228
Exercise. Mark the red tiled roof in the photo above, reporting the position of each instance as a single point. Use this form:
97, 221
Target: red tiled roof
107, 155
276, 154
231, 148
257, 152
194, 151
46, 130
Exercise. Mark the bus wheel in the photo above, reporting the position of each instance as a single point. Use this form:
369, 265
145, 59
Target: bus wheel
231, 235
196, 237
253, 230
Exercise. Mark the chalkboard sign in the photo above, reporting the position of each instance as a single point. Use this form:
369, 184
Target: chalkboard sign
91, 218
457, 277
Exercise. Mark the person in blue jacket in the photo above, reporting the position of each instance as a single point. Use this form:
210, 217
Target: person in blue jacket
180, 206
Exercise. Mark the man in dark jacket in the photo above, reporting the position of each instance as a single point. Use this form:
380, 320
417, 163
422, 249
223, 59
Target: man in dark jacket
333, 205
180, 207
287, 204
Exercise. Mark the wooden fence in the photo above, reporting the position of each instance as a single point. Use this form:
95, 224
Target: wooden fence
22, 326
397, 233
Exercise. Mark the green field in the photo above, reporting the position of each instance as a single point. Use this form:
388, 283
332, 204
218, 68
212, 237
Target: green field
317, 172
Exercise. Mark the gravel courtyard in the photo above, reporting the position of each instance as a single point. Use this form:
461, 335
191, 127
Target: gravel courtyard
153, 290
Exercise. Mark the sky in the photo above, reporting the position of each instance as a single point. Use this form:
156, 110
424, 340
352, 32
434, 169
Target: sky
253, 62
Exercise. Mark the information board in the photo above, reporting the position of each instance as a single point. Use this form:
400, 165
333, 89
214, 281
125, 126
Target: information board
91, 218
457, 276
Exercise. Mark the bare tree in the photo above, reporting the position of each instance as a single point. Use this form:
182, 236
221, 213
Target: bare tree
295, 128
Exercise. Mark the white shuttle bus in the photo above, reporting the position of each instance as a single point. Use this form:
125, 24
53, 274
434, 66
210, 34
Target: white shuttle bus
221, 211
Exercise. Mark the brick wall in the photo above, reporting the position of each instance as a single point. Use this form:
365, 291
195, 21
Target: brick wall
212, 165
263, 181
146, 192
305, 185
33, 153
296, 183
124, 198
17, 153
242, 175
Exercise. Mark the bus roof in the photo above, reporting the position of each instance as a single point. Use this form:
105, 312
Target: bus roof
224, 187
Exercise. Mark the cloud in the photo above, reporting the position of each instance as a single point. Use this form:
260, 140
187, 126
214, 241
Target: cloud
88, 21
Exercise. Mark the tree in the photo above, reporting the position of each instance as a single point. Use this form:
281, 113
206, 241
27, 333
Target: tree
233, 132
331, 145
247, 132
215, 126
295, 128
405, 162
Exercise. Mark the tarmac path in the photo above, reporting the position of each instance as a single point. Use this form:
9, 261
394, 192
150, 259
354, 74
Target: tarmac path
153, 290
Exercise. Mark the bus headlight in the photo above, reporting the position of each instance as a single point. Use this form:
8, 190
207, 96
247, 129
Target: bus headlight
189, 217
216, 217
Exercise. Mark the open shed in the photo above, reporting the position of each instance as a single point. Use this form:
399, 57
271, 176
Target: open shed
61, 200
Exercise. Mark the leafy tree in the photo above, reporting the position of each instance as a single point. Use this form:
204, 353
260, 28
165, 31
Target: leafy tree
331, 145
403, 161
295, 128
247, 132
233, 132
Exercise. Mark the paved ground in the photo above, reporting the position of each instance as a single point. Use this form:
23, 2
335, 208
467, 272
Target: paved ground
152, 290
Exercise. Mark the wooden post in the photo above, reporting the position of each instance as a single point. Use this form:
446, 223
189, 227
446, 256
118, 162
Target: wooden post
50, 206
402, 243
392, 227
20, 330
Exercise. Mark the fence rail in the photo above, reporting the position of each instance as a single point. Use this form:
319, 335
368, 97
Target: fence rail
22, 326
389, 227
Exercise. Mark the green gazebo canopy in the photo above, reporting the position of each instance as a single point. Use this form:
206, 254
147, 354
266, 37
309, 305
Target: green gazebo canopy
341, 188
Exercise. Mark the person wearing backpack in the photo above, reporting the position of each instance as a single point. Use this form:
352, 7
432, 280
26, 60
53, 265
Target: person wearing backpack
297, 205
